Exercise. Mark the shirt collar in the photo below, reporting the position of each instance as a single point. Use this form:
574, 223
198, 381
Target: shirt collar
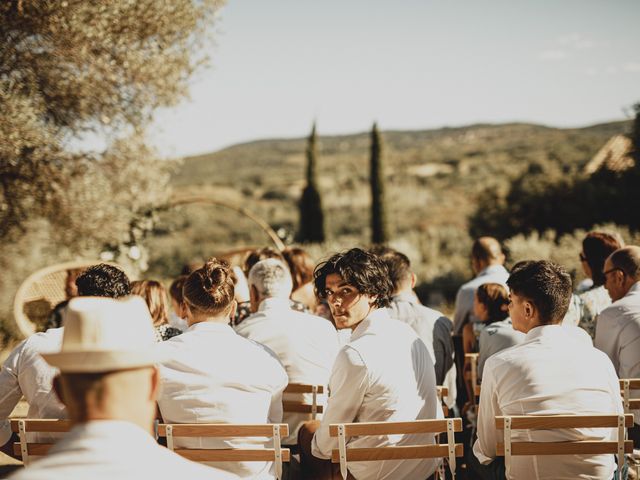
492, 269
113, 428
404, 297
635, 288
210, 327
274, 303
557, 331
378, 315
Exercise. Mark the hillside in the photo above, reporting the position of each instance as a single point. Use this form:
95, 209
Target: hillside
433, 180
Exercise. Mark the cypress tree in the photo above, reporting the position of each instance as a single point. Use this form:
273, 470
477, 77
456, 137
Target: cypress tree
311, 227
379, 228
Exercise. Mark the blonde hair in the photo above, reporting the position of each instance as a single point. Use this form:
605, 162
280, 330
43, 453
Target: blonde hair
155, 295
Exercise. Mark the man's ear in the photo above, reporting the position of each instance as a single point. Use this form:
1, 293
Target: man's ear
414, 280
57, 387
529, 309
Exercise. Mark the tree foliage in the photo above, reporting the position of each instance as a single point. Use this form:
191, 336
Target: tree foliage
379, 227
311, 227
72, 67
545, 197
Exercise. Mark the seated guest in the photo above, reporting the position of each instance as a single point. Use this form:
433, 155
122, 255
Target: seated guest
26, 373
431, 325
492, 308
108, 383
305, 344
596, 247
301, 266
213, 375
556, 370
385, 373
155, 295
253, 257
618, 327
178, 315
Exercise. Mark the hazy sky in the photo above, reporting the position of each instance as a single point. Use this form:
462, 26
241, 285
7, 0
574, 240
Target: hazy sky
408, 64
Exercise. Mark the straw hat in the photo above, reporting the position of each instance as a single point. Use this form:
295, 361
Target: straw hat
104, 334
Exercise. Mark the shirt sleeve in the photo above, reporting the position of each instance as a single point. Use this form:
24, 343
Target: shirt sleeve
348, 385
10, 391
442, 348
485, 447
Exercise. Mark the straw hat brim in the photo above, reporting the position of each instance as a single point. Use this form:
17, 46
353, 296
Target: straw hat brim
103, 361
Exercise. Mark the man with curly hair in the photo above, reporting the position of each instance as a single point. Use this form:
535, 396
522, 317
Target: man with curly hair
384, 373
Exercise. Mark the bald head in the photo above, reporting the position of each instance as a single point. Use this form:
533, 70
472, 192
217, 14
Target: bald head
486, 251
627, 259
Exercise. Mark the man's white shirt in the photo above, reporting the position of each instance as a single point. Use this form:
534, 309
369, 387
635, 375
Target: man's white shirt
464, 297
110, 449
435, 331
213, 375
618, 335
26, 373
385, 373
305, 344
555, 371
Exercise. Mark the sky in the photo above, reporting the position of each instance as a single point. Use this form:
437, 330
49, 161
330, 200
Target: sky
279, 65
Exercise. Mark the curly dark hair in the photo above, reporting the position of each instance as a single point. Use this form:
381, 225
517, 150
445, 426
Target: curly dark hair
363, 270
103, 280
545, 284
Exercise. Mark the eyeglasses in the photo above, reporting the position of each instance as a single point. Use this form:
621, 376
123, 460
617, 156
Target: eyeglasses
607, 272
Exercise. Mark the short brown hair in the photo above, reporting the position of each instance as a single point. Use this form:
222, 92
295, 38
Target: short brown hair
495, 298
627, 259
210, 289
397, 263
486, 249
155, 295
545, 284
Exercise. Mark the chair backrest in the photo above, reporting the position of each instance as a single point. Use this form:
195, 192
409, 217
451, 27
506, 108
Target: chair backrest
552, 422
22, 426
344, 454
475, 387
442, 392
277, 454
301, 406
626, 385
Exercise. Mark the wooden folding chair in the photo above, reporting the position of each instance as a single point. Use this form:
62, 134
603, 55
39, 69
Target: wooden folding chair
301, 406
442, 392
277, 454
475, 387
553, 422
24, 449
626, 385
345, 454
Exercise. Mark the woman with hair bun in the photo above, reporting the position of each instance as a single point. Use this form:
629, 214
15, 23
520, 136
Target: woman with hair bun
213, 375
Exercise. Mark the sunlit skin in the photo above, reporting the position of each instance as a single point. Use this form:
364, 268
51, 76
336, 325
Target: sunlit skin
614, 281
523, 313
348, 306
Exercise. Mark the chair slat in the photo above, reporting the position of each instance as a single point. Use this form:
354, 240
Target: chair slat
221, 430
634, 383
564, 448
396, 453
43, 425
32, 449
442, 391
232, 455
533, 422
300, 407
302, 388
390, 428
634, 404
